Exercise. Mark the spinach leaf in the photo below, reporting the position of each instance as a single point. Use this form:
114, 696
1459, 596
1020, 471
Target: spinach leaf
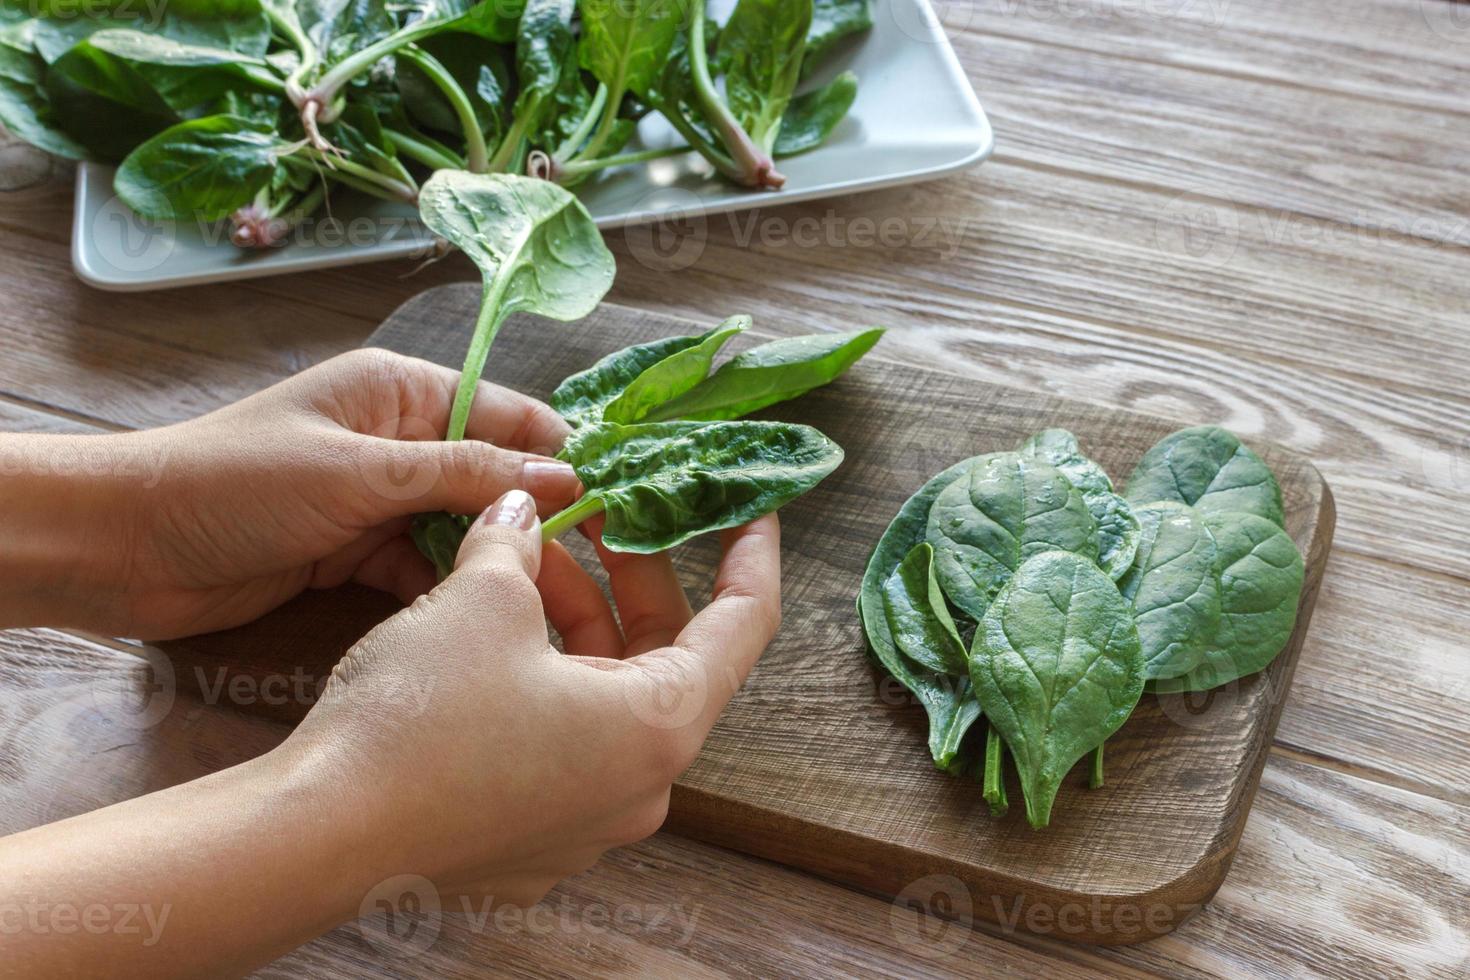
1057, 668
162, 70
1260, 574
768, 374
660, 484
1174, 589
438, 537
918, 617
760, 50
1005, 509
25, 109
535, 246
235, 25
811, 117
201, 169
582, 397
478, 67
1209, 468
626, 43
671, 376
949, 703
833, 20
1117, 527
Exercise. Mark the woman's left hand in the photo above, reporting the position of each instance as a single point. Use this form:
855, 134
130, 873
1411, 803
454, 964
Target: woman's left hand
308, 484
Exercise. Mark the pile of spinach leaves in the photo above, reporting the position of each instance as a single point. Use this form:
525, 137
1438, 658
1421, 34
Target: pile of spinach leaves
258, 110
658, 438
1075, 599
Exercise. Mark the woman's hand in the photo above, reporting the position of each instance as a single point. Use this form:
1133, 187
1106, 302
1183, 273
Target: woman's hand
453, 743
308, 484
479, 756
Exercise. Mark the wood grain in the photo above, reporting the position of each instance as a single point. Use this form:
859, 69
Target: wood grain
820, 763
1059, 279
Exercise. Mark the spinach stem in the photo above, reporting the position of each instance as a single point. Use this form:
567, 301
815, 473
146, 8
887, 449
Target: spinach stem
422, 152
577, 168
590, 505
569, 146
324, 92
383, 185
487, 325
508, 153
757, 169
477, 157
1095, 777
994, 787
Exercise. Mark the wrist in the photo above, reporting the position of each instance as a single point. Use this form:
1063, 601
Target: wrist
67, 511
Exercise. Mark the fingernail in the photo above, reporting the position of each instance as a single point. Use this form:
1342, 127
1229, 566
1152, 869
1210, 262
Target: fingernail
516, 508
550, 475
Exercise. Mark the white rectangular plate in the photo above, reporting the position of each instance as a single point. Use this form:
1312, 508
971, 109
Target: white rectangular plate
916, 117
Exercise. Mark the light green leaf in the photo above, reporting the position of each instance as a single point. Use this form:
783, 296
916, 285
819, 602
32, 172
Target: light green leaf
770, 373
671, 376
625, 43
760, 50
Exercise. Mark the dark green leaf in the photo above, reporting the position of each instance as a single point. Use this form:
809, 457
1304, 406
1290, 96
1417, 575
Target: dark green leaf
949, 702
543, 40
760, 51
1209, 468
235, 25
1260, 573
811, 117
183, 75
918, 618
1174, 589
1117, 527
1057, 668
202, 169
438, 537
24, 108
768, 374
663, 483
1005, 509
833, 20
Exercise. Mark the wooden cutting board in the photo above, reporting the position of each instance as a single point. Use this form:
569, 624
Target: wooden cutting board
820, 762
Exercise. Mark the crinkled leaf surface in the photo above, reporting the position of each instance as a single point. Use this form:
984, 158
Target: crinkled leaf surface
1260, 573
663, 483
626, 43
833, 20
760, 50
1007, 508
672, 376
1174, 589
918, 618
770, 373
201, 169
1057, 668
1209, 468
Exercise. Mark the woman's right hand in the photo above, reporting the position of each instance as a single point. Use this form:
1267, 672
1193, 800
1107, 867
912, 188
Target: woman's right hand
468, 750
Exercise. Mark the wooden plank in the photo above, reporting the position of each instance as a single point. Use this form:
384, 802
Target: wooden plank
1335, 875
1310, 152
812, 764
1399, 51
83, 726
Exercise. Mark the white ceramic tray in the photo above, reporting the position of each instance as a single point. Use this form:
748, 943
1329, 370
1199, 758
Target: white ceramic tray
916, 117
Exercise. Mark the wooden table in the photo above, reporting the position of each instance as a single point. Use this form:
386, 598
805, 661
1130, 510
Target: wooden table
1237, 211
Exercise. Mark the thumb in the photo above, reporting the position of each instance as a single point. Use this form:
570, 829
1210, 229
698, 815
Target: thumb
494, 577
505, 539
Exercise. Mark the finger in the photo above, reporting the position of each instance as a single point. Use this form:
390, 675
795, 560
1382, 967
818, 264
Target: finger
716, 651
651, 602
398, 569
340, 566
468, 475
576, 607
494, 577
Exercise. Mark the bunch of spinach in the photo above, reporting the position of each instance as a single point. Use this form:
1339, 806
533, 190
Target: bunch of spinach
656, 443
1076, 599
258, 110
